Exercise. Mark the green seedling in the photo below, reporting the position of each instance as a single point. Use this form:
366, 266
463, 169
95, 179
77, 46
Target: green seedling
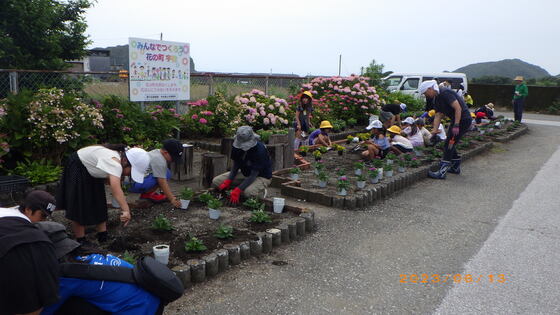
224, 232
161, 223
259, 216
195, 245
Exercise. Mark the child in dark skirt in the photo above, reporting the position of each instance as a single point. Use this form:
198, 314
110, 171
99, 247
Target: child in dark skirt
82, 185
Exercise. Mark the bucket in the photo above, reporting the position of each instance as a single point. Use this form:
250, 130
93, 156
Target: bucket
184, 204
214, 214
278, 204
342, 192
361, 184
358, 172
161, 253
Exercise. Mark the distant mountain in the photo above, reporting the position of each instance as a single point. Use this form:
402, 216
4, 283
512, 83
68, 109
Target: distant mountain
505, 68
119, 56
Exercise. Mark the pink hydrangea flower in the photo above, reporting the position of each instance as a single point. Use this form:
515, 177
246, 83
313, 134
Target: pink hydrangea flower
194, 117
202, 121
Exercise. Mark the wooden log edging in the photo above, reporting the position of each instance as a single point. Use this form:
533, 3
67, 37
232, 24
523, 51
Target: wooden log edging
372, 193
200, 270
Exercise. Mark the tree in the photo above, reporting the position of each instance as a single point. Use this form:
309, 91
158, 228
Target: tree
42, 34
375, 73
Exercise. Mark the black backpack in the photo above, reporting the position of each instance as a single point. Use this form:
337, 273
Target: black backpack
148, 273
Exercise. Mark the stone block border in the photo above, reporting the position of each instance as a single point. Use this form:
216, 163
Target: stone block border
387, 187
287, 232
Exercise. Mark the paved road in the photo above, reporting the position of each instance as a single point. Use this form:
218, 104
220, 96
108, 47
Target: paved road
498, 217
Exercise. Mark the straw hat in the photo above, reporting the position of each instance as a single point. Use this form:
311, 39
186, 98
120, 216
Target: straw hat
518, 78
490, 106
394, 129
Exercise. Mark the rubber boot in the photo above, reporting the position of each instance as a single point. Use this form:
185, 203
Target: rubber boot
443, 168
455, 166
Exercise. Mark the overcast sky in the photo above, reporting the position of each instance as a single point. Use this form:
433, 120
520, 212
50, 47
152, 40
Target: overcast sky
306, 36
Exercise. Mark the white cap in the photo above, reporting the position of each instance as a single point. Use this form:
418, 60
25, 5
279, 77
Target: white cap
409, 120
139, 161
374, 124
424, 86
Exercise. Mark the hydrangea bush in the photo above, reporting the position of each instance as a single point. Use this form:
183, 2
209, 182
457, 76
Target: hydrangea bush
212, 117
341, 98
262, 111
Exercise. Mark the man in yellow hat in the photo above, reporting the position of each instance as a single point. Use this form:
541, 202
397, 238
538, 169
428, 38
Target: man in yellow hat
521, 92
321, 135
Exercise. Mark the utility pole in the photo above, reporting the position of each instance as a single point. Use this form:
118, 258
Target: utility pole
339, 63
160, 36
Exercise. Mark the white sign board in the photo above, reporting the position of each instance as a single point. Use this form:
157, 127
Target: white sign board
158, 70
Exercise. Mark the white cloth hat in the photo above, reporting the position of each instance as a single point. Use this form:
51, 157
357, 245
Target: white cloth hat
139, 161
409, 120
428, 84
374, 124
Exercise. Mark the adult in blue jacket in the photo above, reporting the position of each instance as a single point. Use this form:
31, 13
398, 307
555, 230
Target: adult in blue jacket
108, 296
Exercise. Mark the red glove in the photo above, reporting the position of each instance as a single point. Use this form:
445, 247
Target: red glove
455, 131
225, 184
234, 196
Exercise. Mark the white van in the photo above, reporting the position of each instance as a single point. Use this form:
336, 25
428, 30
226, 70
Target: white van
408, 83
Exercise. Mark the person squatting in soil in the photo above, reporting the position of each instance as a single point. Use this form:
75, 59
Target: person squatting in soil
302, 121
448, 103
321, 135
28, 265
82, 185
484, 112
160, 173
413, 132
92, 297
399, 144
378, 145
251, 170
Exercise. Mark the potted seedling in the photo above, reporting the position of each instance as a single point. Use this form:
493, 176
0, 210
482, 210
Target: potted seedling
214, 206
161, 223
254, 204
349, 139
317, 154
224, 232
340, 149
340, 172
388, 169
303, 150
195, 245
205, 197
342, 186
414, 162
323, 178
389, 158
318, 167
294, 173
323, 150
378, 164
352, 122
185, 197
361, 181
358, 167
373, 174
401, 165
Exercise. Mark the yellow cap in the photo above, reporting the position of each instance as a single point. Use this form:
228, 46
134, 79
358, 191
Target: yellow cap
394, 129
307, 93
432, 113
473, 115
325, 124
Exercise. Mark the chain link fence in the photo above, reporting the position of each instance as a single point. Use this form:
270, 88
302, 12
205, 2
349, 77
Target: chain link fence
101, 84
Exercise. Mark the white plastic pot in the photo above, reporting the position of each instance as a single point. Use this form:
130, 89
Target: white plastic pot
115, 203
214, 214
316, 171
184, 204
294, 176
278, 204
389, 173
380, 173
481, 132
358, 172
402, 169
322, 184
389, 162
161, 253
342, 192
374, 180
361, 184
